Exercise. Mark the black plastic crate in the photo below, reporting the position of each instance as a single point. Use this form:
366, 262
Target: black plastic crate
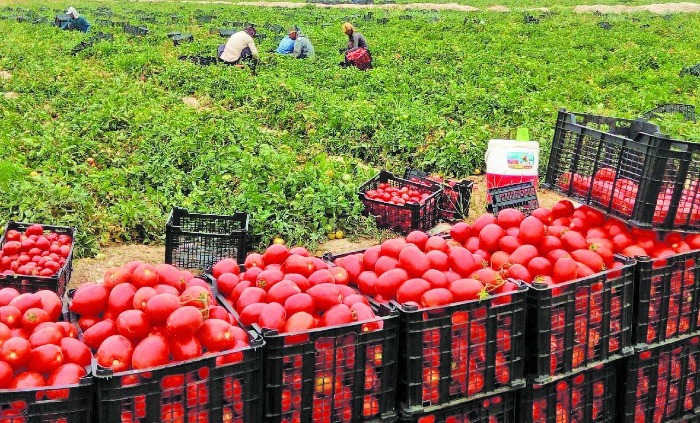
333, 374
456, 196
635, 174
495, 409
59, 404
198, 241
687, 110
194, 391
589, 396
461, 352
667, 302
521, 196
56, 283
580, 323
661, 384
182, 38
401, 218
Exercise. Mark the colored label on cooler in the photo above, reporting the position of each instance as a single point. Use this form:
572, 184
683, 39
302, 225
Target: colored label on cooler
520, 160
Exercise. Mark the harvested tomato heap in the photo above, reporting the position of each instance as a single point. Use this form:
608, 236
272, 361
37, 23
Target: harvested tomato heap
288, 291
394, 195
34, 253
144, 316
37, 350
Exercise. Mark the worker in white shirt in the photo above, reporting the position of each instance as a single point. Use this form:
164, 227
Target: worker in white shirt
239, 47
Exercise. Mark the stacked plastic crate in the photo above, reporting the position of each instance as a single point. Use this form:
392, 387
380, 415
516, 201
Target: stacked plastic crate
629, 170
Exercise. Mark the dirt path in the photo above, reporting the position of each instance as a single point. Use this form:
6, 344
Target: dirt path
665, 8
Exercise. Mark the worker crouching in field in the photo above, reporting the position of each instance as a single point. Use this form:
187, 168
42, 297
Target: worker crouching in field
240, 46
76, 21
357, 53
303, 49
286, 46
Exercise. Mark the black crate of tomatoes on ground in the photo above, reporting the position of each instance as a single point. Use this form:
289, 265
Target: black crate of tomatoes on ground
330, 354
164, 349
587, 396
581, 293
499, 408
461, 323
668, 270
35, 257
43, 365
662, 383
400, 205
456, 195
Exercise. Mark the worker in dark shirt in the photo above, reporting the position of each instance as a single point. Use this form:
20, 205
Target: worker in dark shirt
357, 52
76, 21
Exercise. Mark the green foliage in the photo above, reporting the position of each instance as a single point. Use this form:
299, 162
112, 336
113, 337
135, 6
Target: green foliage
291, 145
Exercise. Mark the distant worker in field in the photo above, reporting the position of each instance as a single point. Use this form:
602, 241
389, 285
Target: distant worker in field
76, 22
357, 53
286, 46
240, 46
303, 49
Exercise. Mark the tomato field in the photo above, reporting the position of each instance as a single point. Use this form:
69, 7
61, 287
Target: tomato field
103, 140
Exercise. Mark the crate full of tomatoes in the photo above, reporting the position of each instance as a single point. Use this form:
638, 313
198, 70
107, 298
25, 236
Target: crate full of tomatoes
44, 366
587, 396
456, 196
662, 382
635, 174
330, 354
579, 305
668, 294
399, 204
34, 257
165, 350
461, 324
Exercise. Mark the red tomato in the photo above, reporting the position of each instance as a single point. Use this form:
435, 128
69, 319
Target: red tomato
489, 237
300, 321
327, 295
218, 312
523, 254
10, 316
339, 314
133, 325
249, 296
6, 374
90, 299
27, 380
532, 231
251, 313
185, 348
151, 352
67, 374
97, 333
510, 218
269, 277
436, 297
145, 275
45, 359
86, 322
46, 335
392, 247
573, 241
159, 307
121, 298
75, 351
115, 353
564, 269
184, 322
171, 276
419, 238
34, 317
414, 261
216, 335
466, 289
15, 352
24, 302
67, 329
254, 260
226, 282
142, 296
300, 302
273, 316
115, 276
384, 264
198, 296
51, 304
7, 295
299, 264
